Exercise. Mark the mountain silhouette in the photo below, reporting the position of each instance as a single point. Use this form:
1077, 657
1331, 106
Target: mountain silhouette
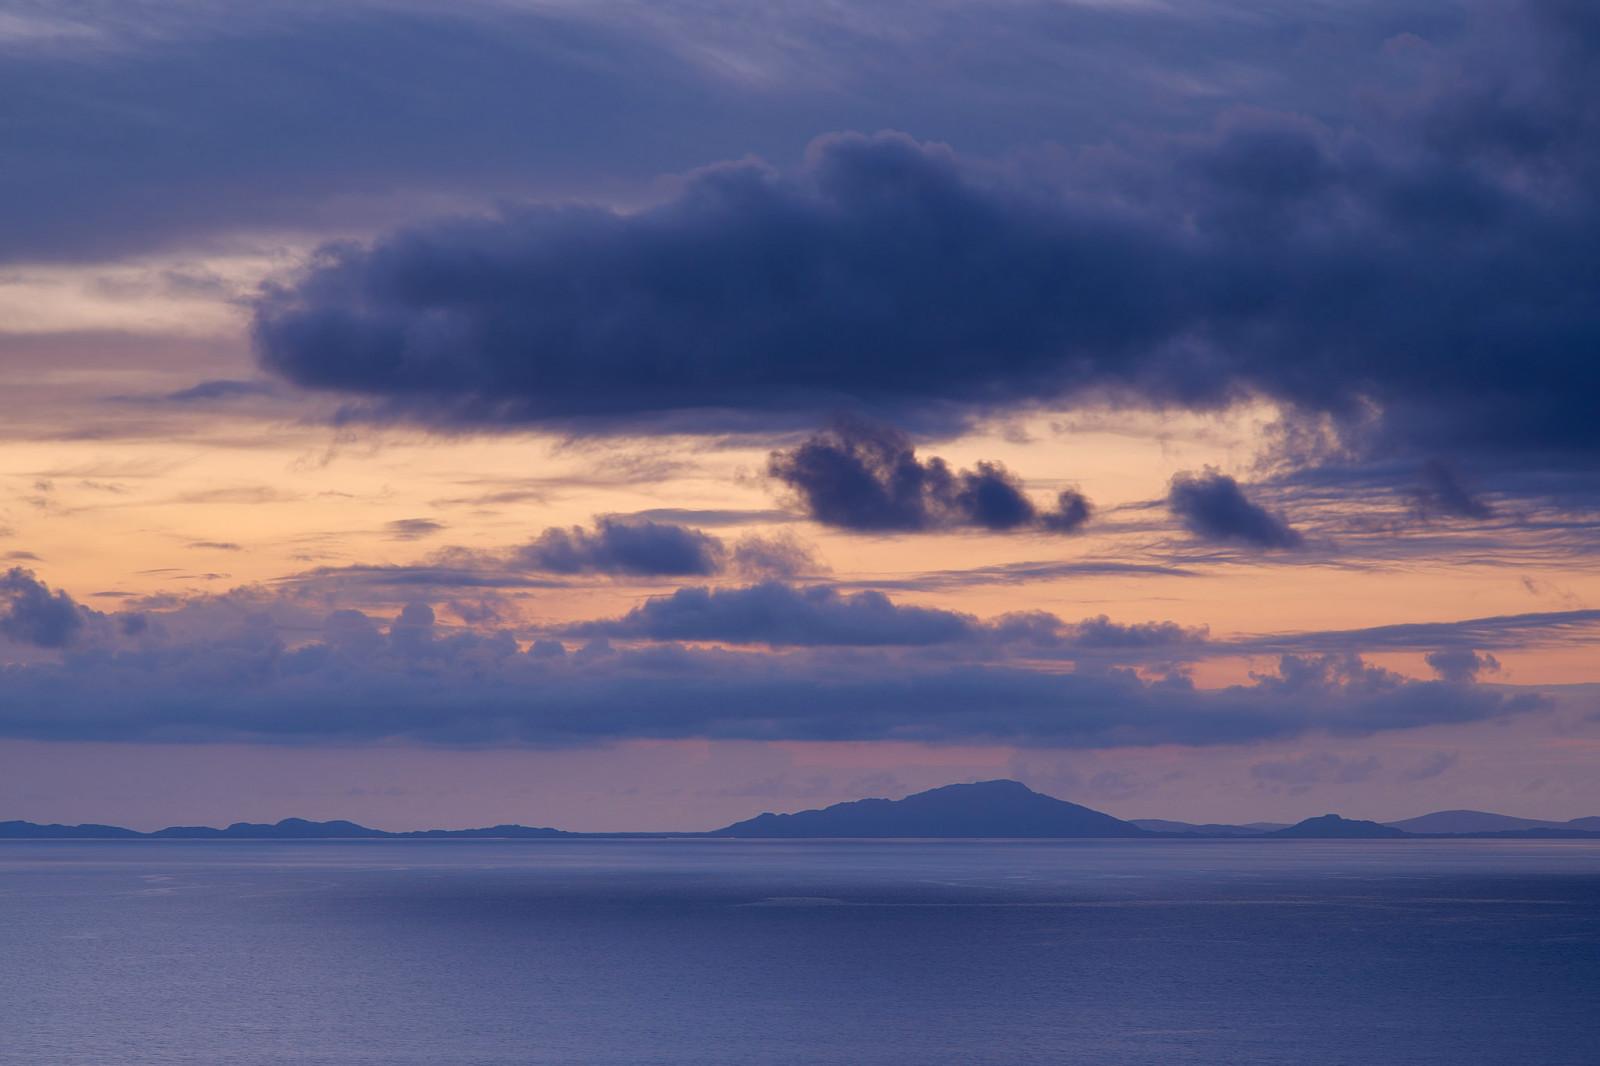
287, 829
985, 809
17, 830
1484, 822
1209, 829
1332, 827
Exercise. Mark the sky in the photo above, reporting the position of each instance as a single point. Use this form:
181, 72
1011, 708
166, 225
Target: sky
638, 416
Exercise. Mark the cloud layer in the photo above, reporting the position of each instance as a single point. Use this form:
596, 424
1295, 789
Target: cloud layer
1437, 260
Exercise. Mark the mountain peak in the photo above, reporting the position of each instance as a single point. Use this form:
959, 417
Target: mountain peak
1333, 827
1000, 808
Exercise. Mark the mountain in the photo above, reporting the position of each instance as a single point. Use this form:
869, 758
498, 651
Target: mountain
985, 809
1332, 827
1483, 822
288, 829
1210, 829
33, 831
494, 832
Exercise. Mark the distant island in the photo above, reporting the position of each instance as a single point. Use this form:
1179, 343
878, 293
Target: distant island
288, 829
983, 810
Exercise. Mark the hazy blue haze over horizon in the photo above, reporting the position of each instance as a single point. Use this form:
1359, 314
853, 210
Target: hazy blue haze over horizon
1314, 953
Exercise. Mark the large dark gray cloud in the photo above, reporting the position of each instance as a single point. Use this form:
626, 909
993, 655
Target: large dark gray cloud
858, 474
1438, 259
1213, 507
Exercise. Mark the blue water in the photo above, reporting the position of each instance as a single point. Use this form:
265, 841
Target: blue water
753, 953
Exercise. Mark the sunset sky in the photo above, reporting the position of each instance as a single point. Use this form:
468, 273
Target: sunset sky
621, 415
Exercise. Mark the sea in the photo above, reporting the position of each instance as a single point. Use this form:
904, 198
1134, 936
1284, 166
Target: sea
794, 953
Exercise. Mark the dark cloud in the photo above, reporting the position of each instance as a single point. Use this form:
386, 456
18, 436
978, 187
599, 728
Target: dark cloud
1212, 507
701, 517
863, 475
223, 389
641, 549
1025, 572
1461, 664
35, 615
477, 573
413, 528
1440, 491
1534, 629
782, 615
1071, 512
1431, 766
780, 555
1434, 261
1102, 632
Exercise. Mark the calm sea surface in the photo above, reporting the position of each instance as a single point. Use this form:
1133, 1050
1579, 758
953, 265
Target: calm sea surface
753, 953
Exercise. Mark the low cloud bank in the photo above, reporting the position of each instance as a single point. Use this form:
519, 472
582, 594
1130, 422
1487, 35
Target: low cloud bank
768, 661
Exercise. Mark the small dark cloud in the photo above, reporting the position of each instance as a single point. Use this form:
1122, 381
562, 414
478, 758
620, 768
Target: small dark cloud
780, 555
781, 615
1461, 664
1499, 631
221, 390
1441, 491
479, 611
1072, 510
215, 545
413, 528
1431, 766
642, 549
1026, 572
1102, 632
22, 556
1212, 507
863, 475
35, 615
